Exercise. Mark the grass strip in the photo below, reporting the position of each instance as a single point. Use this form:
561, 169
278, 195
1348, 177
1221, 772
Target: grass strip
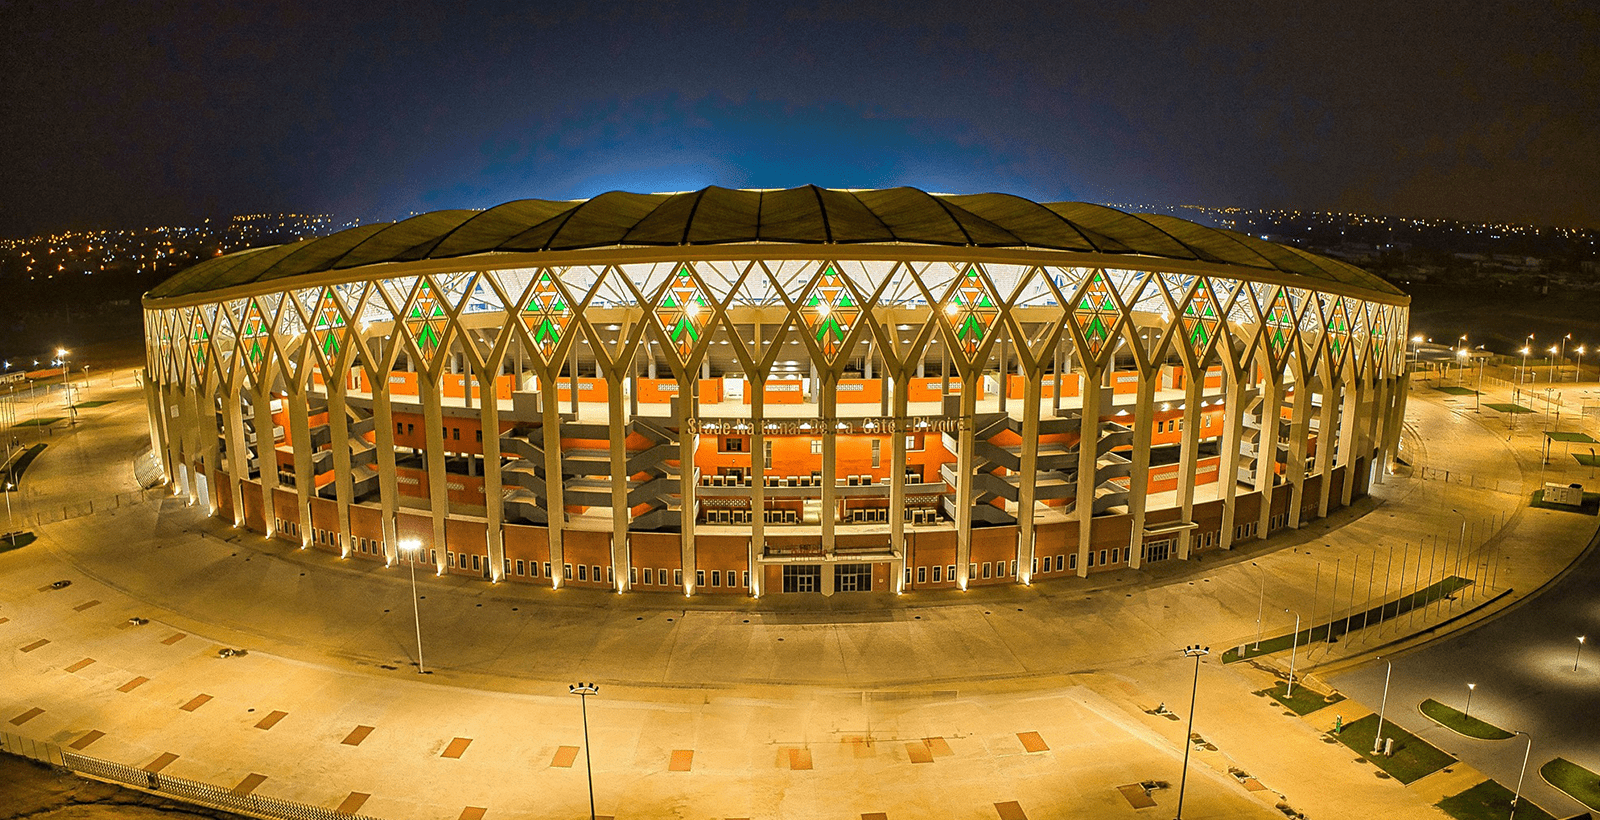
1357, 620
83, 405
12, 474
1489, 801
1591, 503
38, 422
1413, 758
1508, 408
1462, 723
9, 542
1579, 783
1457, 391
1305, 700
1571, 437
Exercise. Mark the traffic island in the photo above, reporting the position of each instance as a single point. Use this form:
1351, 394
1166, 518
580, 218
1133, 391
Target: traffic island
1304, 701
1508, 408
1579, 783
1590, 506
1457, 391
1461, 723
1489, 801
16, 540
1412, 759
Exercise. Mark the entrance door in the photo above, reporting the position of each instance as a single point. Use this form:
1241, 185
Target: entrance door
1158, 550
853, 577
802, 578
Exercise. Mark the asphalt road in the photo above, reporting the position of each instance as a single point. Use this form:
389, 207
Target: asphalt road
1522, 663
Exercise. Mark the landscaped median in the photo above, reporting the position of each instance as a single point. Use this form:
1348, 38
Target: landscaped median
1413, 757
1357, 620
1457, 391
1489, 801
1462, 723
1579, 783
1305, 700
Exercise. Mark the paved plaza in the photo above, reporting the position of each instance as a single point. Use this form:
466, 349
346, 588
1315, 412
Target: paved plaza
1022, 701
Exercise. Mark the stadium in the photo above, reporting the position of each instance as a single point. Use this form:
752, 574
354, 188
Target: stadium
782, 391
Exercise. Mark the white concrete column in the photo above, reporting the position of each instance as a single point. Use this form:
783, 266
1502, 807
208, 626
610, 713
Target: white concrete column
688, 407
1189, 454
827, 414
238, 452
494, 505
1299, 431
1088, 463
388, 483
620, 560
1267, 448
1350, 436
266, 454
1028, 480
900, 404
554, 491
339, 443
299, 410
1139, 477
1328, 438
965, 474
758, 478
428, 389
1232, 434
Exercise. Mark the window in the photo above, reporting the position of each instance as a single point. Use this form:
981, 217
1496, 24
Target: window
1091, 557
766, 453
475, 562
699, 577
746, 576
1013, 567
877, 452
547, 569
816, 446
972, 570
508, 565
1035, 569
633, 575
716, 578
1072, 561
399, 428
411, 429
732, 577
986, 569
455, 433
733, 444
853, 577
914, 443
594, 572
922, 575
802, 578
583, 572
1058, 563
1102, 558
677, 577
566, 571
908, 576
950, 573
480, 436
938, 574
520, 567
450, 558
649, 577
433, 557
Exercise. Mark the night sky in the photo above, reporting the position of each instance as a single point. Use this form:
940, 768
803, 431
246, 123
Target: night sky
130, 114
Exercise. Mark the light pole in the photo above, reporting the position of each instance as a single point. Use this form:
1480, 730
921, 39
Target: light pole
1261, 604
66, 383
1575, 658
10, 522
1293, 648
583, 691
1564, 354
410, 547
1383, 705
1470, 688
1461, 355
1577, 375
1197, 652
1517, 796
1477, 398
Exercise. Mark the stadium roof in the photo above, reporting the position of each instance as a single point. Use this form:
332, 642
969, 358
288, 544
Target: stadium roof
806, 216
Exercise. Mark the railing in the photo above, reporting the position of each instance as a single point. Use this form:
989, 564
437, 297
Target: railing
1468, 480
178, 788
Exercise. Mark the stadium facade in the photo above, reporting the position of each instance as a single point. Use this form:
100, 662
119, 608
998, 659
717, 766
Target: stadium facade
793, 390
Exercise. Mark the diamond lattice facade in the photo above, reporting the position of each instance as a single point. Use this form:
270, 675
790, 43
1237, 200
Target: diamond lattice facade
766, 391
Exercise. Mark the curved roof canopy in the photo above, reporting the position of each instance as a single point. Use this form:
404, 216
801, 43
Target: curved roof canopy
722, 216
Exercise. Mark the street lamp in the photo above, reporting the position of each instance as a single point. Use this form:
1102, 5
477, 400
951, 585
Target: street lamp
1468, 712
1461, 355
11, 527
1377, 740
1577, 375
1295, 647
583, 691
1517, 796
410, 548
1197, 652
1575, 659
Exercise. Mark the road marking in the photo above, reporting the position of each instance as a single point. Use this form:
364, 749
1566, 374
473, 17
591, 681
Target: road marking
161, 762
682, 760
1010, 810
352, 803
133, 684
249, 784
1031, 742
271, 720
83, 742
919, 752
80, 664
174, 638
35, 645
26, 716
564, 757
197, 702
874, 815
457, 748
86, 605
800, 760
472, 813
938, 746
357, 735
